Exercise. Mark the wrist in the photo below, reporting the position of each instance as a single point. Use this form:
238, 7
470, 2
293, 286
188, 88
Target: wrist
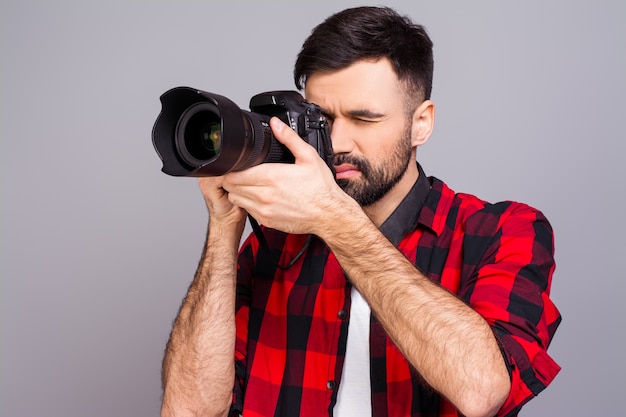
344, 224
225, 232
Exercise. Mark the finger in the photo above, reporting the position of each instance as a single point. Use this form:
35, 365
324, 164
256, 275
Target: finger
211, 187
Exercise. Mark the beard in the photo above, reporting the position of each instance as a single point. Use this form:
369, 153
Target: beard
376, 181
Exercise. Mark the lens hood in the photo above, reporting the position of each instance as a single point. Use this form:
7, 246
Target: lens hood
234, 131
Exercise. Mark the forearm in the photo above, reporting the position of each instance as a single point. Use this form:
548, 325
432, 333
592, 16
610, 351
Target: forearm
198, 368
450, 345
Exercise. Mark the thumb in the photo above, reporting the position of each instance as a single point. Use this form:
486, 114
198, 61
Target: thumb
288, 137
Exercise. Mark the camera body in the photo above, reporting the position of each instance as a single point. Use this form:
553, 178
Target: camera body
202, 134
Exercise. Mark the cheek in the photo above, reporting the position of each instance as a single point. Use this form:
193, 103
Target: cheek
377, 144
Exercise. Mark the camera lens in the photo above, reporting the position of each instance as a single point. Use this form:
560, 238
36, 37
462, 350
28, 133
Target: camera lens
203, 135
199, 134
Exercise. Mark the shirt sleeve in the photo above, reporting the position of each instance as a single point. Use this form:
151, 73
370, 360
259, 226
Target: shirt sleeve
245, 268
510, 287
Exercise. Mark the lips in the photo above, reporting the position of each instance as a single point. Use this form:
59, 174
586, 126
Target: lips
346, 171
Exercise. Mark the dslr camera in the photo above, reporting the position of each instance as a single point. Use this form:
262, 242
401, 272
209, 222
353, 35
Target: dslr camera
201, 134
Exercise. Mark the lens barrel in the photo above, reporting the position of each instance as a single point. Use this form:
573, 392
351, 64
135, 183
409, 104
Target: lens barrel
204, 134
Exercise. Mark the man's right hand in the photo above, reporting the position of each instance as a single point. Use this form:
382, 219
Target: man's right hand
221, 210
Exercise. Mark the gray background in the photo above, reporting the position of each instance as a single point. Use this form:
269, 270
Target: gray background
98, 246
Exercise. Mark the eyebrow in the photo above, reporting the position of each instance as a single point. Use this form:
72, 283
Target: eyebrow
363, 113
367, 114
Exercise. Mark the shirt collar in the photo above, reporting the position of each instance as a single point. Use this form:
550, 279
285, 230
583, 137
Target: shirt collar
404, 217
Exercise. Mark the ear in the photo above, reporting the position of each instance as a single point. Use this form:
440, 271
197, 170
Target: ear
423, 123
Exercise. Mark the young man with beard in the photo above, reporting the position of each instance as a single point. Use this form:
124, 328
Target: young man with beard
409, 300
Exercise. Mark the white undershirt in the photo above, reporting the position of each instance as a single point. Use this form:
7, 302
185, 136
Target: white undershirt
354, 395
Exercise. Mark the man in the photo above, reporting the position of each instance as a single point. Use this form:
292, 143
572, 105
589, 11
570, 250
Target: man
409, 299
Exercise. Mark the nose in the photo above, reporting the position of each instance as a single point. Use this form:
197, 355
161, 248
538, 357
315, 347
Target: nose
341, 137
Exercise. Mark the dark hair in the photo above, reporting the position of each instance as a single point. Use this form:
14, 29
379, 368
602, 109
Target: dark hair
370, 33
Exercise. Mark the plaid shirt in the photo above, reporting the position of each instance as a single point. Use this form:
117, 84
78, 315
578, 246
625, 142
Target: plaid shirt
292, 324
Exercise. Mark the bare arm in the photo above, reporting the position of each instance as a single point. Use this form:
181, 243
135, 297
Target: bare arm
198, 368
450, 344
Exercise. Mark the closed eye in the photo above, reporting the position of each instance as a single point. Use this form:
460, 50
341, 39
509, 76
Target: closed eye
358, 116
361, 120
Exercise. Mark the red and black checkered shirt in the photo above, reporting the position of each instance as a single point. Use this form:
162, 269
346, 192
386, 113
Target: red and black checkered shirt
292, 324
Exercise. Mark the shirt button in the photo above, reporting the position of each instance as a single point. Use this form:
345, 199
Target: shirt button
343, 314
331, 385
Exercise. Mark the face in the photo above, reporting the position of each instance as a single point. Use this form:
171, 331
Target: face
370, 130
375, 179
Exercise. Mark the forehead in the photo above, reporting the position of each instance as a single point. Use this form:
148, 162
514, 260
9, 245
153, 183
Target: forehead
368, 84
